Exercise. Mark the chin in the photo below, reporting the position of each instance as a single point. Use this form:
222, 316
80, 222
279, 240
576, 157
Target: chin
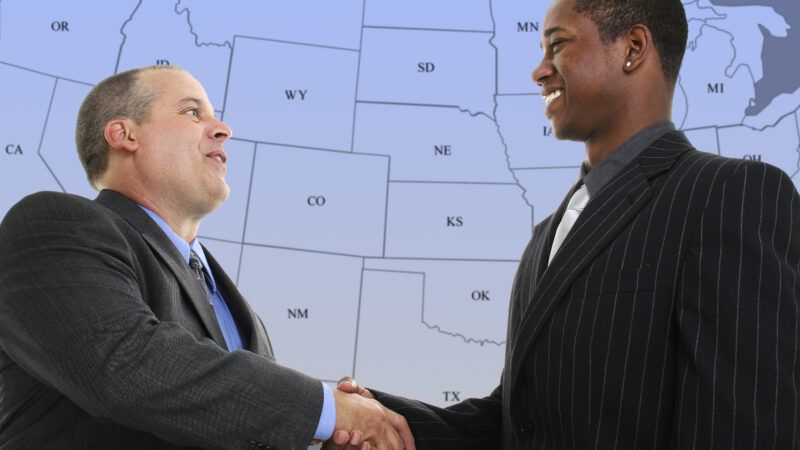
566, 133
221, 195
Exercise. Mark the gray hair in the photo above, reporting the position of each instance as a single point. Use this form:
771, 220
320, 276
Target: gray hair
119, 96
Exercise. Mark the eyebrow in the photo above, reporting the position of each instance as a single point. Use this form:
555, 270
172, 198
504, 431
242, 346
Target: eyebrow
552, 30
191, 99
549, 32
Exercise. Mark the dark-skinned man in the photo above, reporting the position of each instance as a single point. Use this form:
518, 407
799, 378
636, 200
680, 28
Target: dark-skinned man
657, 307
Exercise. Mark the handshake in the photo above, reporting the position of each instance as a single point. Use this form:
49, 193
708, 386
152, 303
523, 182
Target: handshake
364, 424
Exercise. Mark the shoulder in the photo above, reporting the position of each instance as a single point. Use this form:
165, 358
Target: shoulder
42, 210
698, 169
52, 201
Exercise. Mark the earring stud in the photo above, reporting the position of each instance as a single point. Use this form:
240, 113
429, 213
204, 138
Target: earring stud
628, 64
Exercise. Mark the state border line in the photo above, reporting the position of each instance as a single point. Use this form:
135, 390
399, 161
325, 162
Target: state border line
350, 255
386, 206
197, 42
546, 168
281, 144
50, 75
246, 213
282, 41
358, 311
443, 30
41, 138
358, 74
228, 81
431, 105
774, 124
305, 147
125, 36
436, 328
464, 183
496, 121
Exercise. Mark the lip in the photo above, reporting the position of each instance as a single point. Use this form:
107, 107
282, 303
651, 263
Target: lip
222, 156
549, 110
547, 90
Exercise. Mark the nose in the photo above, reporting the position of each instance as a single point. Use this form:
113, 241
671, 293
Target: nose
221, 131
542, 71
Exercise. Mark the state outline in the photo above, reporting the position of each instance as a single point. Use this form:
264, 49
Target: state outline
465, 183
797, 125
427, 105
125, 36
436, 328
41, 138
350, 255
233, 50
497, 121
197, 42
46, 74
358, 78
725, 73
693, 44
795, 112
742, 124
246, 211
445, 30
679, 84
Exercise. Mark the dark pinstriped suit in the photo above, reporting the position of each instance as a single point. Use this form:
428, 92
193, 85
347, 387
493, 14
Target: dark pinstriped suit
669, 319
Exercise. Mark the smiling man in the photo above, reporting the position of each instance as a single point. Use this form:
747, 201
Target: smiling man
657, 307
118, 329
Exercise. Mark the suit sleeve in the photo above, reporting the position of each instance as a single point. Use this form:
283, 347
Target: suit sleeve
474, 424
738, 317
72, 316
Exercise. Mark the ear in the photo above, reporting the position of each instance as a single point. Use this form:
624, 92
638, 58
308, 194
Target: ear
121, 134
638, 43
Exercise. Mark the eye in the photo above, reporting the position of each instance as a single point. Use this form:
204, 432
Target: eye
556, 46
192, 112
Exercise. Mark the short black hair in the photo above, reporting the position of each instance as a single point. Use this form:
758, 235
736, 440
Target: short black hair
666, 20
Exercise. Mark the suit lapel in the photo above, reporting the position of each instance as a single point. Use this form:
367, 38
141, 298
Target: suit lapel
164, 248
606, 215
254, 337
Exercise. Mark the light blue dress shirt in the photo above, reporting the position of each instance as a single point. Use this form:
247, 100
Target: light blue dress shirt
227, 324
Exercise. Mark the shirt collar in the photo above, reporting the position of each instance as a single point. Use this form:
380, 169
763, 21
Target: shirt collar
597, 177
182, 246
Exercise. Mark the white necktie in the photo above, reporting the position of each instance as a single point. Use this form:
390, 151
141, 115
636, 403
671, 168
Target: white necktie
574, 208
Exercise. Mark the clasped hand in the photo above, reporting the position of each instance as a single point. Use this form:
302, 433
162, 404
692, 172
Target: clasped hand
364, 424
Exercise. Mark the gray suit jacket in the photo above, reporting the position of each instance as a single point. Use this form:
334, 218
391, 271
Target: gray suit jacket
107, 341
669, 319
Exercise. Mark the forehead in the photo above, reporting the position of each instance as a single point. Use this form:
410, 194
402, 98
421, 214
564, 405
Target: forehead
562, 14
174, 85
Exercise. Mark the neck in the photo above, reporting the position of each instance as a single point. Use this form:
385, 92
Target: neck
182, 223
184, 226
600, 146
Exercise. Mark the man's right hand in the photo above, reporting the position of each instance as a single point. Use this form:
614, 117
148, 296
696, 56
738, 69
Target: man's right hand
357, 414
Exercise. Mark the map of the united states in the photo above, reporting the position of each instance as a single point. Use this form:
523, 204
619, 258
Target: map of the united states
389, 158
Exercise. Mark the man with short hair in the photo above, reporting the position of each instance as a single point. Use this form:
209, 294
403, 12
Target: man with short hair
118, 329
658, 307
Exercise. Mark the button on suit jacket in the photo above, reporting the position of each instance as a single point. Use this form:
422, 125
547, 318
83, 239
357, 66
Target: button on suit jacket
107, 340
668, 319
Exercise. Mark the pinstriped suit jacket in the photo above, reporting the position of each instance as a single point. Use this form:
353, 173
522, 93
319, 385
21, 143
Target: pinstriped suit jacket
668, 319
107, 341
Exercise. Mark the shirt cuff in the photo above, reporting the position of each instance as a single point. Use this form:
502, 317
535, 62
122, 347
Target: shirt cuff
327, 419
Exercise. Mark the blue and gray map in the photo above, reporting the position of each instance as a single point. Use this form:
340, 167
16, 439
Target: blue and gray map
390, 157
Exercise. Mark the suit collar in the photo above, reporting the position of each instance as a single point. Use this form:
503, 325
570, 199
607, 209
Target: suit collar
254, 337
166, 250
606, 215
